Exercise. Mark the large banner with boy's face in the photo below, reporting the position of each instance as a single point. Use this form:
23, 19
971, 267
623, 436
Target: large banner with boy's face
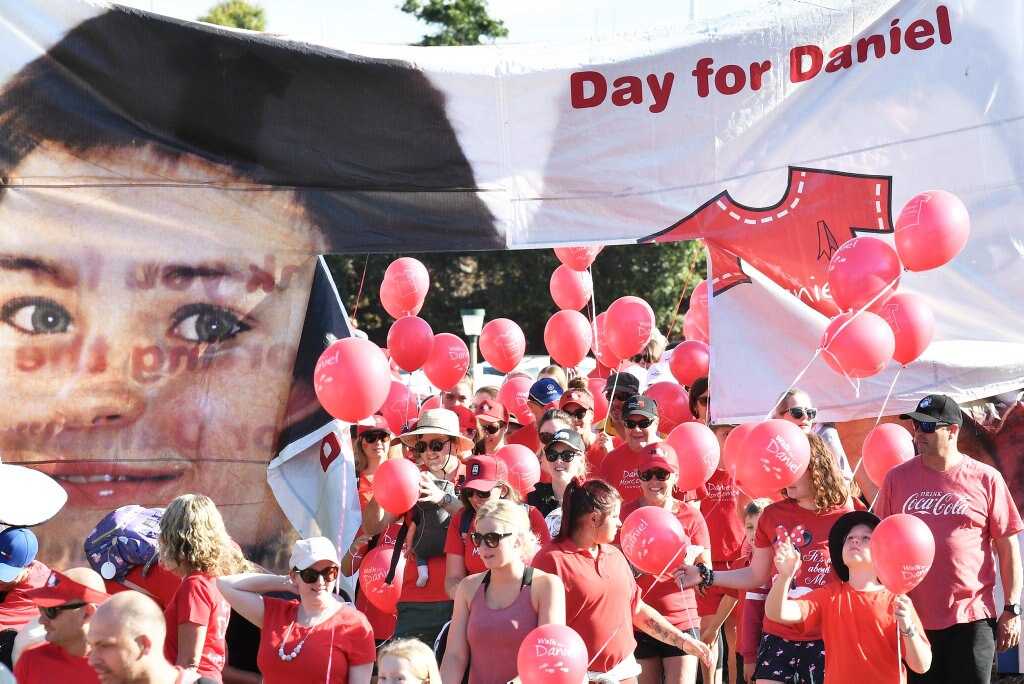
167, 186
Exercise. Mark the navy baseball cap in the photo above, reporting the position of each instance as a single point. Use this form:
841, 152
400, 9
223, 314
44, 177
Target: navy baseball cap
18, 548
545, 391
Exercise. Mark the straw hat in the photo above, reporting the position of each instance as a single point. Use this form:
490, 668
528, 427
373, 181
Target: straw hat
438, 422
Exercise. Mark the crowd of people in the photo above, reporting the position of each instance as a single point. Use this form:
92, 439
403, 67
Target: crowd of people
769, 590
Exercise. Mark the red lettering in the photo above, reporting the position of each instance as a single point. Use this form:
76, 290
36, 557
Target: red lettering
797, 72
578, 85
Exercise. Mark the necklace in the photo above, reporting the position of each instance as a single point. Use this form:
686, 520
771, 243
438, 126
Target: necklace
288, 657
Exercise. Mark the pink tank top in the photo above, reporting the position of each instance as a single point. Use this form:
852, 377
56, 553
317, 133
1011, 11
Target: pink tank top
508, 627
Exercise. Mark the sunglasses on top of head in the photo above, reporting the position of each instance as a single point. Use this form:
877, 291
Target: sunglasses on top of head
309, 575
657, 474
433, 445
552, 455
51, 612
928, 428
374, 437
493, 428
799, 413
643, 423
491, 539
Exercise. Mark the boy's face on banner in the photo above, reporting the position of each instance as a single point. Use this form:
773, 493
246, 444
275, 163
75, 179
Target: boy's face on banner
142, 353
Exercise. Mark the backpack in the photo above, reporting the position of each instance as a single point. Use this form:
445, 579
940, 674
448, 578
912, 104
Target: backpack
125, 538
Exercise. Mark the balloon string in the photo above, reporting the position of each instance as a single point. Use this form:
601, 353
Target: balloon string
878, 420
682, 295
799, 375
899, 646
359, 294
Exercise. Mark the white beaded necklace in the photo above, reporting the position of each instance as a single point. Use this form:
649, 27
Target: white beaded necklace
288, 657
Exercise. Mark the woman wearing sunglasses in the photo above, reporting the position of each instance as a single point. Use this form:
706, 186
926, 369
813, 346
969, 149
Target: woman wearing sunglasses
370, 448
315, 638
563, 461
486, 480
496, 609
795, 406
492, 423
700, 399
542, 497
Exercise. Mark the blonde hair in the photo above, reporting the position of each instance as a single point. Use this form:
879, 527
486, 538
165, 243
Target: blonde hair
419, 656
193, 537
554, 372
515, 517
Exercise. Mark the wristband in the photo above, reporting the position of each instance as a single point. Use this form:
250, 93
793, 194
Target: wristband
707, 576
912, 632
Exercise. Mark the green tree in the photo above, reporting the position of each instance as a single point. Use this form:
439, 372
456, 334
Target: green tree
461, 22
237, 14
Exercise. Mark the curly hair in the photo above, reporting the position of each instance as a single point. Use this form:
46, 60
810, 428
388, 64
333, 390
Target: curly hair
829, 488
193, 537
515, 517
583, 498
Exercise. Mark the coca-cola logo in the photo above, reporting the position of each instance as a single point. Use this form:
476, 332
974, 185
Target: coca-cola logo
937, 503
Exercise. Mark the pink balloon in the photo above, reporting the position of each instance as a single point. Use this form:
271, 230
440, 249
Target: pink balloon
410, 340
653, 540
599, 343
902, 551
596, 387
352, 379
523, 467
673, 405
860, 270
396, 485
885, 447
514, 394
931, 230
552, 654
502, 344
862, 348
448, 362
698, 311
912, 323
373, 573
404, 287
774, 455
567, 337
628, 326
691, 331
577, 258
698, 452
432, 402
400, 408
571, 289
731, 450
690, 360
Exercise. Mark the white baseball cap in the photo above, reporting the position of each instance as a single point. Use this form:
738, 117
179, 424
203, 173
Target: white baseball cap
306, 552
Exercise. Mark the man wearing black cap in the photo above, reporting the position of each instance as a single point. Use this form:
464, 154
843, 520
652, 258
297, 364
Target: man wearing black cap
617, 389
640, 428
970, 512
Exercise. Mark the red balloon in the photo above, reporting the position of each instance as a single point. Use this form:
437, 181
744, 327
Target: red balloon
860, 349
698, 452
432, 402
774, 455
628, 326
860, 270
912, 323
373, 572
596, 386
552, 654
410, 340
902, 551
698, 311
577, 258
396, 485
885, 447
404, 287
733, 445
514, 394
400, 408
931, 230
690, 360
523, 467
673, 405
599, 343
448, 362
653, 540
502, 344
571, 289
352, 379
567, 337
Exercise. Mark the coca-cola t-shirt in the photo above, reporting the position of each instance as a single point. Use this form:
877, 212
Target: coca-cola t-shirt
966, 507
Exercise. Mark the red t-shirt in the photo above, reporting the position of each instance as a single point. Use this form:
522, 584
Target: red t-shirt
200, 602
860, 634
526, 436
383, 623
678, 607
601, 598
330, 649
966, 508
159, 583
816, 565
49, 663
718, 506
16, 609
619, 470
595, 456
458, 543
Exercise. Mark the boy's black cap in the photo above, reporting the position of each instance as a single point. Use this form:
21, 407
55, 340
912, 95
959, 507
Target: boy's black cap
936, 408
837, 537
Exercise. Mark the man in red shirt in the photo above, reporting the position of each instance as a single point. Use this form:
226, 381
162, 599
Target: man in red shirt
617, 389
66, 604
971, 514
640, 425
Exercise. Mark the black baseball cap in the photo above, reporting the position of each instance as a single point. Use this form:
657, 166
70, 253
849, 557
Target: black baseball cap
622, 382
936, 408
640, 404
570, 437
837, 537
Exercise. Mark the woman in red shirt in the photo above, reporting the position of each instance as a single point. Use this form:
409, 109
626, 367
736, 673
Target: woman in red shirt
369, 449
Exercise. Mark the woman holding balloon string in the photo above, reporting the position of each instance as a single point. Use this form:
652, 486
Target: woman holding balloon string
658, 469
496, 608
810, 507
603, 602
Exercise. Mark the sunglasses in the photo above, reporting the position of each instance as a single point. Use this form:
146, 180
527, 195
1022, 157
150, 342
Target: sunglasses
799, 413
566, 456
433, 445
659, 475
491, 539
928, 428
641, 358
493, 428
618, 396
704, 401
579, 414
374, 437
478, 493
309, 575
51, 612
643, 423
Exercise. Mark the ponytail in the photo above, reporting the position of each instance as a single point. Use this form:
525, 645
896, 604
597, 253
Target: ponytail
580, 499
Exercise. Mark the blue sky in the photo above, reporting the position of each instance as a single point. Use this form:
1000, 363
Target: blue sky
380, 21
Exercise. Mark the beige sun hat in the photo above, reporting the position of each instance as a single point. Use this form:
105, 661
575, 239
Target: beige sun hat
438, 421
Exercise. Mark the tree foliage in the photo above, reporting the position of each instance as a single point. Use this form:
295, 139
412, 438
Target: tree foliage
237, 14
461, 22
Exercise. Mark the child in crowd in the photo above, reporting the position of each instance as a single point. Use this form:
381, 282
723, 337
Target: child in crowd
858, 617
750, 611
407, 660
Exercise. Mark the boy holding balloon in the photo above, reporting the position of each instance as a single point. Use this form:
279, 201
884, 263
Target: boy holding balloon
869, 632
